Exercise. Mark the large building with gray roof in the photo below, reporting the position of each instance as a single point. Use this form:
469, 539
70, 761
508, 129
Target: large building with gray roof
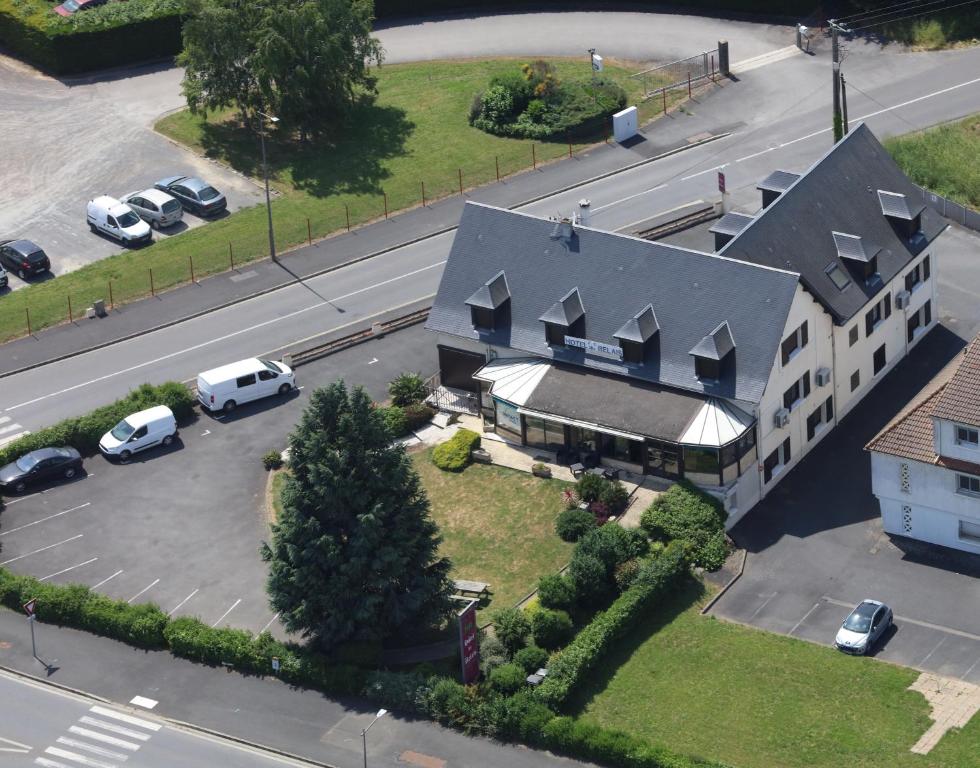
720, 367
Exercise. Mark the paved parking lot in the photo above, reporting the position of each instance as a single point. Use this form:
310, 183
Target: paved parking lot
182, 526
95, 138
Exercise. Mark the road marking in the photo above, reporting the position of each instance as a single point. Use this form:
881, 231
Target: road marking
227, 336
49, 763
907, 620
90, 734
941, 641
372, 361
44, 519
205, 433
177, 607
967, 673
628, 197
100, 751
764, 604
142, 701
143, 590
805, 617
16, 746
105, 580
233, 606
19, 499
150, 726
42, 549
701, 173
114, 728
269, 623
65, 570
74, 756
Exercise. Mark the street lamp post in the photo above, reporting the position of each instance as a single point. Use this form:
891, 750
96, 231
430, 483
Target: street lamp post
265, 173
381, 713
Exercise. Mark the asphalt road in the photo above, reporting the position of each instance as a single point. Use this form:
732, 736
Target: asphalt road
932, 89
181, 526
43, 726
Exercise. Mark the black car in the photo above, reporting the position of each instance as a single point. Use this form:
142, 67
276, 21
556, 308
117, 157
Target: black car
3, 277
23, 258
195, 195
39, 466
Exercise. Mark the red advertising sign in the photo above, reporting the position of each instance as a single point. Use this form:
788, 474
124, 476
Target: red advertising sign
469, 643
721, 182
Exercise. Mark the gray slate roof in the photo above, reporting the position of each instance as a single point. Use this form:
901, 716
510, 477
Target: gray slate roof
566, 311
897, 205
639, 328
731, 223
854, 248
778, 181
491, 294
838, 194
617, 276
716, 344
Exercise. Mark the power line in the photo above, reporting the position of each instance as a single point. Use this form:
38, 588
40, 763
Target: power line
895, 8
912, 15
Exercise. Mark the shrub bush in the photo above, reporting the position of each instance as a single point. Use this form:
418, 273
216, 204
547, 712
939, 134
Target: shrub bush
454, 454
418, 415
589, 579
556, 591
625, 574
512, 628
272, 460
394, 418
688, 513
551, 629
493, 653
531, 659
591, 487
407, 389
655, 577
573, 524
507, 678
84, 432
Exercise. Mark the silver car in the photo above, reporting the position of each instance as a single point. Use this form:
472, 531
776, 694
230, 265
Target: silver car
863, 627
156, 208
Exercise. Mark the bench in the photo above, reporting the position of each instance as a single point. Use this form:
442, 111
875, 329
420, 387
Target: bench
479, 588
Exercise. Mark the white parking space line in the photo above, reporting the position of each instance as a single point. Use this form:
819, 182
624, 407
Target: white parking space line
106, 580
233, 606
65, 570
19, 499
906, 619
114, 728
105, 712
929, 655
77, 758
764, 604
45, 519
972, 667
143, 590
805, 617
42, 549
181, 603
14, 746
269, 623
96, 736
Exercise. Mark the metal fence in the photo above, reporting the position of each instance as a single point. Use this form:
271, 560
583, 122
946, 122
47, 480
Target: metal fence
681, 72
953, 211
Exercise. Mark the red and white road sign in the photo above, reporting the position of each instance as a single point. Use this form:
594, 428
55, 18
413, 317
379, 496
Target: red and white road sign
30, 606
721, 182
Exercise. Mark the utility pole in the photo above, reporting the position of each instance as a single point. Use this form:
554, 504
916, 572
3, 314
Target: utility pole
835, 47
843, 101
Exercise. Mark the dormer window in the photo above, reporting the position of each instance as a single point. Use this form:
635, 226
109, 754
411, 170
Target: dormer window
861, 257
638, 336
490, 305
565, 318
902, 212
714, 355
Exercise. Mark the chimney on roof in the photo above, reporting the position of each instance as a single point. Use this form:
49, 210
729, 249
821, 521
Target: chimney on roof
584, 212
564, 229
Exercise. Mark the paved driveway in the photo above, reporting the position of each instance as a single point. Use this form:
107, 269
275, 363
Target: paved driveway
181, 527
816, 546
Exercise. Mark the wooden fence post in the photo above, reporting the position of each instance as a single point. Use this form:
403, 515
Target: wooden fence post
664, 92
423, 194
231, 256
28, 311
460, 171
152, 292
347, 212
70, 318
534, 159
496, 162
386, 202
309, 231
111, 304
569, 137
190, 258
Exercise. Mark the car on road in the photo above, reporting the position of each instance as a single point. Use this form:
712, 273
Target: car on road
24, 258
195, 195
139, 431
39, 466
69, 7
863, 627
118, 220
156, 208
224, 388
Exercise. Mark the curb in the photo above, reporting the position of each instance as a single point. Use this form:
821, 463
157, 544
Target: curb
741, 569
355, 260
168, 720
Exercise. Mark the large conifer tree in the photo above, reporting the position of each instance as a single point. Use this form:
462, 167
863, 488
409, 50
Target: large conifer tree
354, 554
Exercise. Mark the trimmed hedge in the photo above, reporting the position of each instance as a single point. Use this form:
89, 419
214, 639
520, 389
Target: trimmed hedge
687, 513
573, 663
84, 432
454, 454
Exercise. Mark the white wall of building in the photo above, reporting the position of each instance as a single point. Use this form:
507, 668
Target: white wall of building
931, 509
944, 433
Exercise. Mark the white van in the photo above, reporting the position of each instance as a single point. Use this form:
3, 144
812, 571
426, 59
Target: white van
118, 220
139, 431
221, 389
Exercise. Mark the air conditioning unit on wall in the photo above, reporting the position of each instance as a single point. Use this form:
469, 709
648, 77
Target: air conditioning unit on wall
823, 377
782, 417
902, 299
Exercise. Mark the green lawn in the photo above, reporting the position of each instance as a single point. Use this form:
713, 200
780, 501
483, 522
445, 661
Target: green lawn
943, 159
758, 700
497, 524
416, 132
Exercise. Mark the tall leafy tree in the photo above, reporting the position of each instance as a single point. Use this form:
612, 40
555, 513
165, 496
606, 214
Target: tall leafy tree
354, 554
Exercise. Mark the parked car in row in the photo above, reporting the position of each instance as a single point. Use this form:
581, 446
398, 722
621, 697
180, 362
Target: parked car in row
23, 258
224, 388
38, 466
156, 208
195, 195
863, 627
139, 431
69, 7
118, 220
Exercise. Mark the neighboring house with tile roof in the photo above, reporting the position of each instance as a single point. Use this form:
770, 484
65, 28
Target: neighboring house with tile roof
722, 368
925, 464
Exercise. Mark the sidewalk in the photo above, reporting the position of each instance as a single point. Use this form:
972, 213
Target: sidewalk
676, 131
260, 711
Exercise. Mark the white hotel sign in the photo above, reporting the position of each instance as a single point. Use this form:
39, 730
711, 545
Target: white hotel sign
595, 347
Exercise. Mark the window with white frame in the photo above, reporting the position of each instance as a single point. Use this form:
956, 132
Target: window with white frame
793, 343
968, 436
919, 320
797, 393
917, 276
968, 484
970, 531
877, 314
